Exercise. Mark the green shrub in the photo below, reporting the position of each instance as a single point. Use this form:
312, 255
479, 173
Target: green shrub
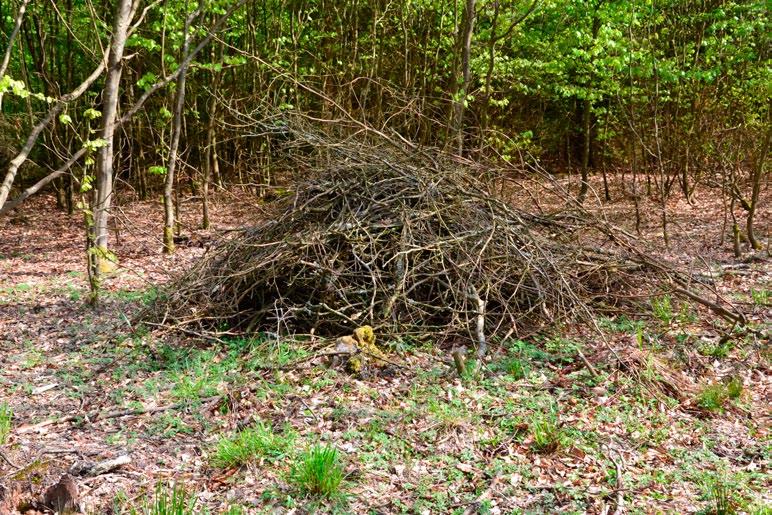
318, 472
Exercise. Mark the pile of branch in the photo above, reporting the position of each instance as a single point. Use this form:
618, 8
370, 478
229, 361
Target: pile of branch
408, 242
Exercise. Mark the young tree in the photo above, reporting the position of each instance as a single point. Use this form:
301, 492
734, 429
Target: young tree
9, 49
177, 116
99, 257
460, 98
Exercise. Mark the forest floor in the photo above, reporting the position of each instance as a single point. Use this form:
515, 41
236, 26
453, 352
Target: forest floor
679, 422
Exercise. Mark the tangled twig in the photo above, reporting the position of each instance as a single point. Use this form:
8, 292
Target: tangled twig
408, 242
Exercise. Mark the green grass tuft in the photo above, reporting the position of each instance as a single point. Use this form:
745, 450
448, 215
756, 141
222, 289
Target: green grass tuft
662, 308
721, 496
546, 432
250, 445
319, 472
760, 297
714, 396
6, 416
516, 368
169, 499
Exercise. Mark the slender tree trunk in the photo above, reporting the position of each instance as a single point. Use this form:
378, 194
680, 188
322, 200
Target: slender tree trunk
104, 173
459, 100
179, 112
758, 172
587, 143
7, 56
209, 154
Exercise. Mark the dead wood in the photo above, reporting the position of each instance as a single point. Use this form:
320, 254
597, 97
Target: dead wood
410, 243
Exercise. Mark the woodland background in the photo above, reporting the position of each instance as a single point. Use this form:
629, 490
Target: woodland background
668, 96
177, 172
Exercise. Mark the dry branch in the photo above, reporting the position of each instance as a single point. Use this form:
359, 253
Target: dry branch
407, 242
411, 243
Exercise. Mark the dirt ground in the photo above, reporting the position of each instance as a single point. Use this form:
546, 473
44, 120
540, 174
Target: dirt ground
646, 435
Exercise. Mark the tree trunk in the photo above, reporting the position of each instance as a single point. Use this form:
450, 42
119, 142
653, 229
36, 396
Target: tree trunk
459, 100
179, 112
104, 171
209, 156
11, 38
758, 172
587, 131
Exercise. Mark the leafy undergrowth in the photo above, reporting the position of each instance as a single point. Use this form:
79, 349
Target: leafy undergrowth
674, 418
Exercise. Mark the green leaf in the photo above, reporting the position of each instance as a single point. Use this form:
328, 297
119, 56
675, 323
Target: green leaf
94, 144
92, 114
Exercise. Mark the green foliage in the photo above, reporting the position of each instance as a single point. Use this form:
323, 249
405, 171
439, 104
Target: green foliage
662, 309
447, 414
170, 425
6, 417
318, 472
92, 114
144, 297
719, 349
620, 324
516, 368
721, 496
250, 445
713, 397
734, 388
760, 297
269, 352
546, 431
562, 349
527, 351
94, 144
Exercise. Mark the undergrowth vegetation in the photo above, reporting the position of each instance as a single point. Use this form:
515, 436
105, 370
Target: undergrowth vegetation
255, 410
6, 417
250, 445
318, 472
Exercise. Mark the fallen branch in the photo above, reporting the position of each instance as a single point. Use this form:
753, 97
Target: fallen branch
620, 487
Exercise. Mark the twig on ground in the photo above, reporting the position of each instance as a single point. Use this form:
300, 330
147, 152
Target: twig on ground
620, 486
97, 416
8, 461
